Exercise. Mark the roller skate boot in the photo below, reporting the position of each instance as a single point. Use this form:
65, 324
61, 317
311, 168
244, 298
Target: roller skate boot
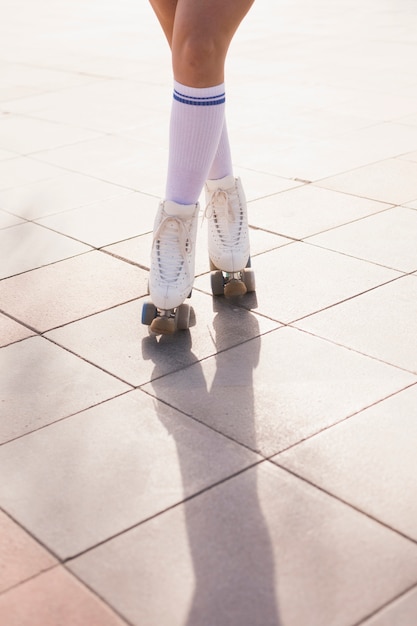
171, 275
228, 237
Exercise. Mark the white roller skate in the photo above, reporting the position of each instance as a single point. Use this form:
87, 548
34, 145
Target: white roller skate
228, 237
171, 275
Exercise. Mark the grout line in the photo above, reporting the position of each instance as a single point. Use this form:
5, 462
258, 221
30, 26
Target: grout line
387, 604
345, 502
166, 510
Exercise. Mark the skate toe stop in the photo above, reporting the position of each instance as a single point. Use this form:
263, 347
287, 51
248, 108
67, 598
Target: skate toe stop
235, 288
163, 326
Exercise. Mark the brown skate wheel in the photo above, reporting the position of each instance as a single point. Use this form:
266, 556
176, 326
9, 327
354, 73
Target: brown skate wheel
234, 287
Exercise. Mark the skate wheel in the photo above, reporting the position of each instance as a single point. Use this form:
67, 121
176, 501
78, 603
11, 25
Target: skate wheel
217, 283
163, 325
148, 313
249, 279
182, 317
234, 288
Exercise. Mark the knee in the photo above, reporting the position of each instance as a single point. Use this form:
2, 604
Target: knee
198, 57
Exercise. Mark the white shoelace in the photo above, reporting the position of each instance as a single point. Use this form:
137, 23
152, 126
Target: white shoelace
173, 244
222, 210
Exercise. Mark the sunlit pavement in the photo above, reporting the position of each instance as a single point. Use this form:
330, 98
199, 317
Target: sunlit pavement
260, 468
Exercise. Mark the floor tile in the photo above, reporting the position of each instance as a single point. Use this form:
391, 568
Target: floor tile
368, 460
117, 160
308, 210
402, 612
410, 156
298, 280
118, 342
323, 130
381, 323
25, 135
55, 597
37, 100
64, 192
412, 205
259, 185
387, 238
56, 384
122, 103
278, 389
21, 556
24, 170
107, 221
6, 219
40, 79
391, 107
121, 462
11, 331
392, 180
299, 557
316, 160
5, 155
29, 246
71, 289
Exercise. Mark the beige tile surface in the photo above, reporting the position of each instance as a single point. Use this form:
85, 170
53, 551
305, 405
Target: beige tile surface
64, 192
40, 79
21, 556
387, 238
308, 210
402, 612
55, 597
390, 180
125, 465
274, 391
316, 160
107, 221
11, 331
410, 156
7, 220
24, 170
25, 135
412, 205
72, 289
300, 279
370, 325
118, 342
116, 159
300, 557
57, 384
28, 246
322, 92
368, 461
6, 154
123, 102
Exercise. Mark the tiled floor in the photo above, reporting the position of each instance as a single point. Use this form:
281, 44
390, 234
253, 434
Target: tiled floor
260, 468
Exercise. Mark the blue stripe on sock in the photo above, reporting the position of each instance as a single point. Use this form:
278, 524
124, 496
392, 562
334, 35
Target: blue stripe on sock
196, 101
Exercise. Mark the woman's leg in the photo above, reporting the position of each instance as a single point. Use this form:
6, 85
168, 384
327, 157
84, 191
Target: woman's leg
199, 34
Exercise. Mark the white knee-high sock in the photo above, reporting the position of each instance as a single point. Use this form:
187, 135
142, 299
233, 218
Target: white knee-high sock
197, 119
222, 162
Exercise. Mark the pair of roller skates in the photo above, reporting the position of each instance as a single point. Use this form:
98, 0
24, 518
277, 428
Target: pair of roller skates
171, 275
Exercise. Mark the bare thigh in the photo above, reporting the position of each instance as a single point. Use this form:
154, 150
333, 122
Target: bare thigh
199, 33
